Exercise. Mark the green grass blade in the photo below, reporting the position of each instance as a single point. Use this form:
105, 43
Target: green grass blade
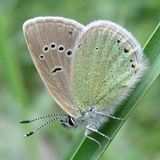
90, 150
9, 65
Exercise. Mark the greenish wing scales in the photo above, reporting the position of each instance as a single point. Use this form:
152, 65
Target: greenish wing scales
106, 65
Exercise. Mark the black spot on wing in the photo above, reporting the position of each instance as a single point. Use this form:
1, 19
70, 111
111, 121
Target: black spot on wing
131, 60
70, 32
133, 66
61, 48
45, 49
69, 52
56, 69
41, 56
53, 46
126, 50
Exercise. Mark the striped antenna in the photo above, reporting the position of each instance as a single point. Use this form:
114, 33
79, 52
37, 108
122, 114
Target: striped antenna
42, 117
43, 125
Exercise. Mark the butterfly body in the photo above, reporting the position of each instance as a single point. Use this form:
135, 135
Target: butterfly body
91, 117
88, 70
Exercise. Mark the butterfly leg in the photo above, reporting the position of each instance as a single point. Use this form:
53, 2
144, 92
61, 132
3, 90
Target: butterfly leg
110, 116
91, 138
113, 117
94, 129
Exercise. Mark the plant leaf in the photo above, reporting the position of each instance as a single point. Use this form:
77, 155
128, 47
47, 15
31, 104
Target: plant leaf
90, 150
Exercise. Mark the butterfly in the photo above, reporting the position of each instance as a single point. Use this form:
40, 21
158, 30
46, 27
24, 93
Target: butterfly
88, 70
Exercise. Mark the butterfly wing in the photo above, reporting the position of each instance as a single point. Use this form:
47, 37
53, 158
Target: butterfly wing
107, 64
50, 41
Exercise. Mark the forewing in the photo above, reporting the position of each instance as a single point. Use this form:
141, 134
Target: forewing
107, 63
50, 41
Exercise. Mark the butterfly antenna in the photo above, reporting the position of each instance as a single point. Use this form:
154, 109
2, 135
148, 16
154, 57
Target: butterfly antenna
42, 117
43, 125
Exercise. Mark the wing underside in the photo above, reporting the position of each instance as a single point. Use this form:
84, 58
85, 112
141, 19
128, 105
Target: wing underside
107, 64
50, 42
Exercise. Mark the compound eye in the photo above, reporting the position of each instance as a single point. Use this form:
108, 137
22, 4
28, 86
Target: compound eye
71, 121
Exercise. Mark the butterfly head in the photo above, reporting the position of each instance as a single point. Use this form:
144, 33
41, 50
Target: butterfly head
69, 122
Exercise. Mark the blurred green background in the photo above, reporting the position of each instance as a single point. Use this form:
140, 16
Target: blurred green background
23, 95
